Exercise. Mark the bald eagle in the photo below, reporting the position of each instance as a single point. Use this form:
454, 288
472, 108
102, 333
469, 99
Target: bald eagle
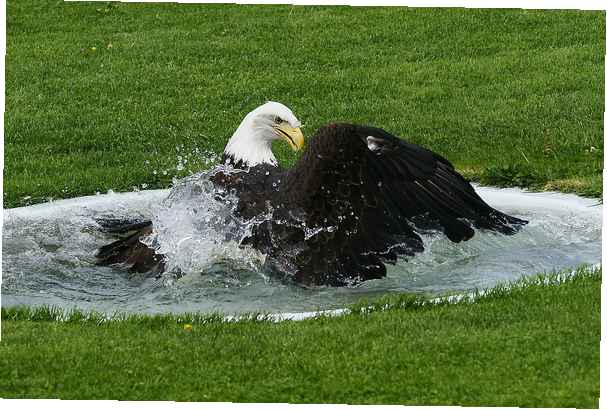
355, 201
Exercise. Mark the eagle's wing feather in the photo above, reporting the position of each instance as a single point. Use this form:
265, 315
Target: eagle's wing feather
427, 184
368, 191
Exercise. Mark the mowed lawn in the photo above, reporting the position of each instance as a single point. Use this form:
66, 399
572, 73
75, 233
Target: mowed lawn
127, 96
108, 96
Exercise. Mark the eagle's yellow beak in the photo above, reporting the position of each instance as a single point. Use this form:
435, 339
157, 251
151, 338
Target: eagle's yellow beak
292, 135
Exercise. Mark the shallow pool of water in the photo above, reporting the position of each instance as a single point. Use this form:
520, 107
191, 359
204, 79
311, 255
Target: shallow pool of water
48, 259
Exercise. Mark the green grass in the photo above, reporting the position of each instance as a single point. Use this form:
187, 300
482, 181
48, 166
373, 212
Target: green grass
108, 96
100, 96
532, 344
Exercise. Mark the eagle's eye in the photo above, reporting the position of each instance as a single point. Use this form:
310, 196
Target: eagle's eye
278, 120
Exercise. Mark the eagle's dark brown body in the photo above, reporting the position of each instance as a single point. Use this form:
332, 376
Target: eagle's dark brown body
351, 204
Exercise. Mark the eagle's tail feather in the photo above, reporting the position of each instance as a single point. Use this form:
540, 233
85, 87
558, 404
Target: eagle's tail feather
129, 250
121, 226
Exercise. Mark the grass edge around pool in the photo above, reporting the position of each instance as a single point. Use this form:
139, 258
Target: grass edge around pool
391, 301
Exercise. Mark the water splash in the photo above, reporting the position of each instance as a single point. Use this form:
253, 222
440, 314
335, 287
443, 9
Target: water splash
195, 227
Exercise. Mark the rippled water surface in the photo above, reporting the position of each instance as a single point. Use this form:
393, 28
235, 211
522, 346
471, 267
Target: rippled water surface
48, 254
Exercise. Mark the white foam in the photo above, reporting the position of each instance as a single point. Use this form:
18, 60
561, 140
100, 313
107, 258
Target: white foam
496, 197
523, 199
109, 202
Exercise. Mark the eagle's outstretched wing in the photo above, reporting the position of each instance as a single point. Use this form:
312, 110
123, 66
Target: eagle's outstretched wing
365, 191
353, 202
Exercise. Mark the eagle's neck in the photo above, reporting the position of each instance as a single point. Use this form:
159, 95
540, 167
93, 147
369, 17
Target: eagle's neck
250, 145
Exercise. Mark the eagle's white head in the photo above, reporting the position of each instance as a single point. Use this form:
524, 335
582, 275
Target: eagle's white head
251, 144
